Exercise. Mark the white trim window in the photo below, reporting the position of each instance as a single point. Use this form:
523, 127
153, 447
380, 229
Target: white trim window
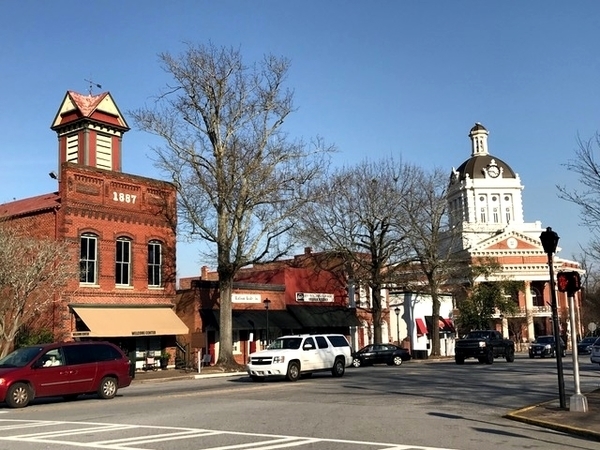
123, 262
154, 264
88, 259
236, 344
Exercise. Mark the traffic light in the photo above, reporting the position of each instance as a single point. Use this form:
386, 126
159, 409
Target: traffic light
569, 282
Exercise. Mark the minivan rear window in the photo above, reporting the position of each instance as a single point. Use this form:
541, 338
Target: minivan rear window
90, 353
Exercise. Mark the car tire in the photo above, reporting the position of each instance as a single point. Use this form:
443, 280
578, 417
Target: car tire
510, 355
18, 395
530, 356
397, 361
356, 362
108, 388
339, 368
293, 372
459, 359
489, 357
481, 359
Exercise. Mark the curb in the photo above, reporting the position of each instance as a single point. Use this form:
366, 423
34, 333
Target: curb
219, 375
191, 376
575, 431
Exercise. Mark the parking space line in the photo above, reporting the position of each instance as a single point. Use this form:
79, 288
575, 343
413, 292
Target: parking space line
164, 434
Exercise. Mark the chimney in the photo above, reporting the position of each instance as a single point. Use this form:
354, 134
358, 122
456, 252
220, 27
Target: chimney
203, 272
307, 250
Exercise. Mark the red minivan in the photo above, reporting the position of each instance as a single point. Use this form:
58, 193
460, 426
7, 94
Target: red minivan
65, 369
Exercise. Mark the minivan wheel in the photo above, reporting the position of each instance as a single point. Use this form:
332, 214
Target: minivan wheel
18, 395
293, 372
108, 388
339, 367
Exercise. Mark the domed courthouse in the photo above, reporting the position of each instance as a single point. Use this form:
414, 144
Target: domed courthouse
485, 205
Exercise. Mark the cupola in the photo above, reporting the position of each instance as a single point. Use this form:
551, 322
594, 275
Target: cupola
90, 130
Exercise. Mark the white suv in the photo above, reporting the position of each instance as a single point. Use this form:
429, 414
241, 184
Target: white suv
301, 355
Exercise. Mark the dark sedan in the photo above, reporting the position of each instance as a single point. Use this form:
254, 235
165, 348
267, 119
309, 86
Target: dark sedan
389, 354
584, 346
545, 346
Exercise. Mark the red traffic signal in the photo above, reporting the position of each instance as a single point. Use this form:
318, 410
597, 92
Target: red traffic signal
569, 282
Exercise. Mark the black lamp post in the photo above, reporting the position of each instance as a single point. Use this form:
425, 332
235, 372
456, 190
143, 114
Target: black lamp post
267, 302
397, 311
549, 240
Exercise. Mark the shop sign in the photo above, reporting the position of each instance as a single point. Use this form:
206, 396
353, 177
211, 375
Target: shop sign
80, 333
307, 297
142, 333
245, 298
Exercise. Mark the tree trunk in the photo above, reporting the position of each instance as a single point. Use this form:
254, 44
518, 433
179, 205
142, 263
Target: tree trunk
225, 357
435, 319
376, 313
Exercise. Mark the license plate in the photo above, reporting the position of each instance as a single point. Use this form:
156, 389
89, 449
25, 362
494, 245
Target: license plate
537, 352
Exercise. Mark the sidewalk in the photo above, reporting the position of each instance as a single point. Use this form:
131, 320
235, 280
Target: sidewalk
546, 415
549, 415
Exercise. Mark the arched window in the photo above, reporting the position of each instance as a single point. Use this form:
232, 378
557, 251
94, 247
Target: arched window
536, 298
123, 262
88, 259
154, 264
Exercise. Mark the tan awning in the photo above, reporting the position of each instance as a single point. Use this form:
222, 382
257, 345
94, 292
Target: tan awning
121, 322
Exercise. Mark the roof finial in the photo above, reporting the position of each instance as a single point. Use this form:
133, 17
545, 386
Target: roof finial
92, 85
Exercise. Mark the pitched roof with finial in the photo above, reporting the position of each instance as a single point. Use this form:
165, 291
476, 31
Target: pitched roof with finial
100, 108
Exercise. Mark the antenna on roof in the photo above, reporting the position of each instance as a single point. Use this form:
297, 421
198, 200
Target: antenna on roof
92, 85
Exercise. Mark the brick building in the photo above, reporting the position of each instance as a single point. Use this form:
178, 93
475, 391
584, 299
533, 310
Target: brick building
121, 228
293, 296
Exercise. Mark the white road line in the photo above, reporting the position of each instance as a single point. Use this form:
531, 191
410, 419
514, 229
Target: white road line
264, 442
98, 429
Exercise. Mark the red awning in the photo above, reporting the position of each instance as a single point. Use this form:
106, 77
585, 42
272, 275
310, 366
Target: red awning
421, 327
447, 325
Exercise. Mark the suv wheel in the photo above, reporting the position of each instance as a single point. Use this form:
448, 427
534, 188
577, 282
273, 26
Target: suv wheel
339, 367
489, 358
293, 372
510, 355
459, 359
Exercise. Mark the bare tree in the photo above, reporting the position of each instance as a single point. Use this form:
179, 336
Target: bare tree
590, 294
585, 165
355, 219
240, 179
33, 271
432, 242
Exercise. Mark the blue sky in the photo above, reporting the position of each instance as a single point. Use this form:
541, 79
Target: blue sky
375, 78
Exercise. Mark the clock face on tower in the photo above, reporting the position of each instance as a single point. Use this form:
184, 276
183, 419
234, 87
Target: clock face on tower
493, 171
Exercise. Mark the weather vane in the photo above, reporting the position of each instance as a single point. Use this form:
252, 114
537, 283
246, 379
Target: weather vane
92, 85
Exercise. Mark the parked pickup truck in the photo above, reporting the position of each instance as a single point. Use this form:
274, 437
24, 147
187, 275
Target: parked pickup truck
485, 345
